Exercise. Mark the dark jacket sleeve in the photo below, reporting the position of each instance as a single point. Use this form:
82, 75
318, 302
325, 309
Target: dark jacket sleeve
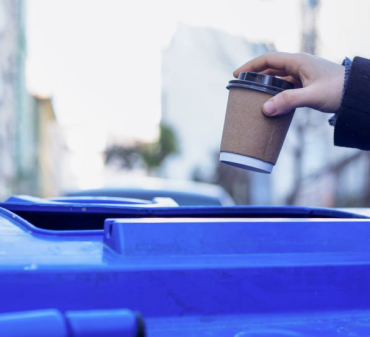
352, 127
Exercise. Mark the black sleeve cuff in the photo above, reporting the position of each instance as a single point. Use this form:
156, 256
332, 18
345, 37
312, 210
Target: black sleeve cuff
352, 127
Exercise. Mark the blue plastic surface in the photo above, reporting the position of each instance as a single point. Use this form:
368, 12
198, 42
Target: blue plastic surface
33, 324
190, 271
51, 322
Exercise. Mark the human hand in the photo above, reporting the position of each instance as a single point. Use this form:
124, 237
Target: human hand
319, 82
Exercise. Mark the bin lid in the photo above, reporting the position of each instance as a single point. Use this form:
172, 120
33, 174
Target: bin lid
186, 269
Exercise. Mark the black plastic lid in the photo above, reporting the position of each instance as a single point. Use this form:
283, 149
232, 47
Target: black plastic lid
261, 82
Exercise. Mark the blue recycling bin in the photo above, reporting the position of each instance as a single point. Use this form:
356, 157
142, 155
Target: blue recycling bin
189, 271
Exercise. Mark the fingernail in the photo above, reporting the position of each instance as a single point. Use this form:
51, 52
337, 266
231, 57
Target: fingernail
269, 108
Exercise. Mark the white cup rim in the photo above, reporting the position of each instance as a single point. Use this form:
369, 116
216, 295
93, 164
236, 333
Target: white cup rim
245, 162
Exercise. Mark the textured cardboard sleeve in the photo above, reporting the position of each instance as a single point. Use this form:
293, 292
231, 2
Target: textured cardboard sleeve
247, 131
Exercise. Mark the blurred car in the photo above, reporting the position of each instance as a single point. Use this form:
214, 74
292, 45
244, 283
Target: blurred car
184, 193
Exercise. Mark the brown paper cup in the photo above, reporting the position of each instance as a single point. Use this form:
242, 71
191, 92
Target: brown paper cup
251, 140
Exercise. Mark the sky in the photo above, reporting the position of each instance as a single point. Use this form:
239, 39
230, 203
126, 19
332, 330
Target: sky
101, 60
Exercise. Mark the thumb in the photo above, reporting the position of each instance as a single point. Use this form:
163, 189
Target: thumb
286, 101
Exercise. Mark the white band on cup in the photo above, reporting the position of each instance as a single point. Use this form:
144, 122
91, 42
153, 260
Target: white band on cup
245, 162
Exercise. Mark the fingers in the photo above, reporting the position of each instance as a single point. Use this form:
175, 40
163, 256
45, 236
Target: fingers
294, 68
281, 63
286, 101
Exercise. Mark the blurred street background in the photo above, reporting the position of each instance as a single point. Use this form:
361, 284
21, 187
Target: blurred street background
94, 93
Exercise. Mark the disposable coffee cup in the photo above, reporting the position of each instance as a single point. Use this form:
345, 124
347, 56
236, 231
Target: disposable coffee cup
251, 140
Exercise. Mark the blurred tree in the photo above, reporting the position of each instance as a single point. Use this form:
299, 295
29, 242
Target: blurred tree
122, 156
154, 154
366, 197
302, 122
339, 168
147, 155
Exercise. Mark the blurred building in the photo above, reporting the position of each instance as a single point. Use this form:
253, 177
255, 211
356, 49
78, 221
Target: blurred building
28, 157
14, 133
196, 68
49, 149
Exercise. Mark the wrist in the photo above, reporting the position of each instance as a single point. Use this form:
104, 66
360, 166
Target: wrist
347, 63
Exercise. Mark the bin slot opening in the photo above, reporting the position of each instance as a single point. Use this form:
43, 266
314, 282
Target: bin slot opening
66, 221
74, 220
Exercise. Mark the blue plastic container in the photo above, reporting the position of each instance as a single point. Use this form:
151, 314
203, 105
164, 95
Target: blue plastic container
190, 271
